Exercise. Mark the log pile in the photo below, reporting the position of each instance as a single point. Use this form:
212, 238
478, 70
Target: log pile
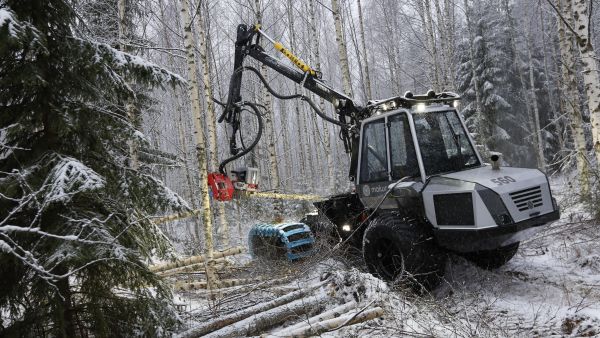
263, 317
201, 264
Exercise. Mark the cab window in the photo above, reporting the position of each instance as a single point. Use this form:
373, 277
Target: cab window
402, 149
374, 166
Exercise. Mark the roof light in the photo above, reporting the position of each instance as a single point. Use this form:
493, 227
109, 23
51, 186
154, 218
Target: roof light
420, 107
455, 103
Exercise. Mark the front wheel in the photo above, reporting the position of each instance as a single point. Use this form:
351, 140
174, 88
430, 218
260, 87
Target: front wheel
493, 259
396, 249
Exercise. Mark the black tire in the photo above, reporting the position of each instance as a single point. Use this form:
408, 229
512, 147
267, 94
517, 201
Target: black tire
493, 259
397, 249
324, 231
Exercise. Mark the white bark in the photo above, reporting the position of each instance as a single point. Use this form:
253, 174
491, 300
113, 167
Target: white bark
238, 316
332, 324
324, 127
195, 230
269, 124
222, 227
361, 26
330, 314
589, 65
571, 95
342, 50
198, 128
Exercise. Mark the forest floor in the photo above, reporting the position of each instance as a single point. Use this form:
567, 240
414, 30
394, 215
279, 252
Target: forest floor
550, 288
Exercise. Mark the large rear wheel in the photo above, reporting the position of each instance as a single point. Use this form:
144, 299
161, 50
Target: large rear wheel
397, 249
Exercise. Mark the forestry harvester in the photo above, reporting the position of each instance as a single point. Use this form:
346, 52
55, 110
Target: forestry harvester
421, 187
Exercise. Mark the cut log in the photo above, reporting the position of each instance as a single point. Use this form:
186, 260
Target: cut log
195, 259
333, 313
264, 320
246, 313
174, 217
314, 329
197, 267
225, 283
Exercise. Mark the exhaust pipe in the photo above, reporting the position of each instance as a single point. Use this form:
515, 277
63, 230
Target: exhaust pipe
495, 158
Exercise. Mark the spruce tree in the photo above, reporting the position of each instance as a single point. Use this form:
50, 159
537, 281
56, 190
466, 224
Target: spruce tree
489, 61
74, 227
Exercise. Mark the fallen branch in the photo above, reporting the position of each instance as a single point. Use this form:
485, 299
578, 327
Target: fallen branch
332, 324
219, 264
195, 260
333, 313
246, 313
225, 283
174, 217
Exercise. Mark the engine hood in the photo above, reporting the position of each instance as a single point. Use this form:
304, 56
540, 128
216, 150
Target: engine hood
504, 180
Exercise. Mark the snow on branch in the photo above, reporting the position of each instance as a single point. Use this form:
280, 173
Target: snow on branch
70, 177
127, 64
18, 31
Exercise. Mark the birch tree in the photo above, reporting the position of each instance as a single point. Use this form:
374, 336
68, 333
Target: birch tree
589, 64
571, 94
203, 41
361, 26
342, 50
269, 124
324, 126
194, 93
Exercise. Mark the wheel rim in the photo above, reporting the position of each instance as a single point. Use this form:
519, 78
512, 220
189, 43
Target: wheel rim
388, 259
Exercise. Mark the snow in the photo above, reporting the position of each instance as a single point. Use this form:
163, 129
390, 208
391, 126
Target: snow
550, 288
4, 247
69, 177
7, 18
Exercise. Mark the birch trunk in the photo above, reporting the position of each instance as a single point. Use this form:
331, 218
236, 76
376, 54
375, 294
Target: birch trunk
198, 128
269, 125
571, 96
222, 227
195, 231
430, 33
304, 140
361, 26
324, 131
589, 65
342, 50
539, 141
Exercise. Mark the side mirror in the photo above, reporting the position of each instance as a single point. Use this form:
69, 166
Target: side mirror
406, 189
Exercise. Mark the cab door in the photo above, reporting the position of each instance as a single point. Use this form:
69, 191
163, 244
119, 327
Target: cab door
387, 154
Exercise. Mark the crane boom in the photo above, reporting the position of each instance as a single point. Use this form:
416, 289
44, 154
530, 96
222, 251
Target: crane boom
349, 115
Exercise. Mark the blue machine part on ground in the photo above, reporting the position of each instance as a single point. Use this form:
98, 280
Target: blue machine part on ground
295, 240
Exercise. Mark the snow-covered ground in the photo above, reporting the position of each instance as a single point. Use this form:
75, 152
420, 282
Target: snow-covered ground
550, 288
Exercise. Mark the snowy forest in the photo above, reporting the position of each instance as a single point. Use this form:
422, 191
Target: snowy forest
112, 131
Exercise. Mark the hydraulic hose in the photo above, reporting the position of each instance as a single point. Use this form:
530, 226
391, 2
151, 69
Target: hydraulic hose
227, 115
254, 110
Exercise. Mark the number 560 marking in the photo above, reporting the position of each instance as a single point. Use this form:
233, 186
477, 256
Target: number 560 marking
503, 180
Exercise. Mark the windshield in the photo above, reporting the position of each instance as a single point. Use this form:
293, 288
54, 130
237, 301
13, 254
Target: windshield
444, 144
